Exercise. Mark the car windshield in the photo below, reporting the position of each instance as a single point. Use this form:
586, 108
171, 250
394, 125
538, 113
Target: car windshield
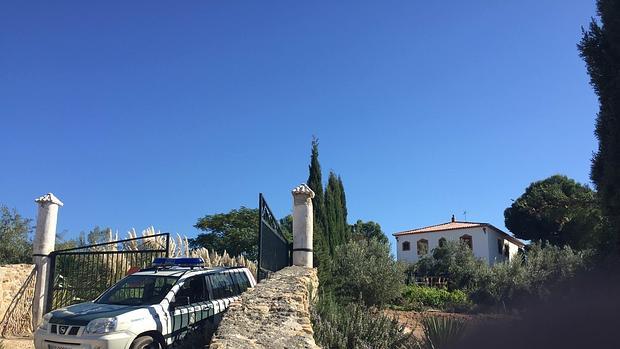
138, 290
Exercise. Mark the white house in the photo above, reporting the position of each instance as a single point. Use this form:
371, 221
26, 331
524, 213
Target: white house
486, 241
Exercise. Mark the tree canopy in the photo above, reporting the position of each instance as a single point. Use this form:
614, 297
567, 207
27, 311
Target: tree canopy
600, 49
235, 231
368, 230
16, 246
558, 210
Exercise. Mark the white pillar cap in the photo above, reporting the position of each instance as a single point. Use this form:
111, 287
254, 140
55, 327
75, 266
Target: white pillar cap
303, 189
49, 197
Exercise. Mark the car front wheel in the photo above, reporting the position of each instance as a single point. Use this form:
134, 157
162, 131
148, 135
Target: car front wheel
145, 342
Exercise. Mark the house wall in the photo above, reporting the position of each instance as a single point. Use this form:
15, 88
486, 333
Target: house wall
480, 242
495, 255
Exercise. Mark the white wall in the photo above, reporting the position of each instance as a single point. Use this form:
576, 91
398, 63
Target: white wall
479, 241
484, 242
495, 255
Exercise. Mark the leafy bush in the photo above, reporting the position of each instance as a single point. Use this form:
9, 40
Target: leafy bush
455, 261
440, 332
356, 326
365, 271
437, 298
528, 276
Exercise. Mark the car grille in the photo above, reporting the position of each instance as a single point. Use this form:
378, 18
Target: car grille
65, 330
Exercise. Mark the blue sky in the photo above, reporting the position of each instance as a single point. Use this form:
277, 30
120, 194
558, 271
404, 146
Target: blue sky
139, 113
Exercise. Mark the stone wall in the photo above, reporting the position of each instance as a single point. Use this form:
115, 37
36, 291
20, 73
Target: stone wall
16, 294
274, 314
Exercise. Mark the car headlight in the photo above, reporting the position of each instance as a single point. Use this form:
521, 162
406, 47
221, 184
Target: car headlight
46, 321
104, 325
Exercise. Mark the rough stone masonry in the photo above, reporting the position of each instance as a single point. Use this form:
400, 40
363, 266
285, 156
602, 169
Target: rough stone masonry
274, 314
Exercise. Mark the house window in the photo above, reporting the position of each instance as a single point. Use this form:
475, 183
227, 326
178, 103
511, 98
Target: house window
406, 246
422, 247
442, 242
500, 246
466, 239
506, 250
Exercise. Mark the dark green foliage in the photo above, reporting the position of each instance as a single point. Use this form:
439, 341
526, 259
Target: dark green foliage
235, 231
367, 230
354, 326
528, 277
345, 211
16, 246
558, 210
286, 224
364, 271
315, 182
455, 261
421, 297
336, 213
441, 331
600, 49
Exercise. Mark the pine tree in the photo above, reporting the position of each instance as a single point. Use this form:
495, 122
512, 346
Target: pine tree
600, 49
315, 182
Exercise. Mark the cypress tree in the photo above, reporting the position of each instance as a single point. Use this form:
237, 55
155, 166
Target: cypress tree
600, 49
315, 182
336, 212
343, 200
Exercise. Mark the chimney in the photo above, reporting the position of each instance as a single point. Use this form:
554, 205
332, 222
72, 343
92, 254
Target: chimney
453, 219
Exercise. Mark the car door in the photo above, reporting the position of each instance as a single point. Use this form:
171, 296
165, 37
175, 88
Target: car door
189, 307
223, 293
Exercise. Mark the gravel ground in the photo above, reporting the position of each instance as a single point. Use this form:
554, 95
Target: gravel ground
18, 343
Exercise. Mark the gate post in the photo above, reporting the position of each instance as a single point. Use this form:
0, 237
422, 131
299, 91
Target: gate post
43, 245
302, 226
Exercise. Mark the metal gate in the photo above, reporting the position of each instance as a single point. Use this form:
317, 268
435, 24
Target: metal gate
81, 274
274, 251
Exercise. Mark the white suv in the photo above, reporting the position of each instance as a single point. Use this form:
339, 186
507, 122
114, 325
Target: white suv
152, 308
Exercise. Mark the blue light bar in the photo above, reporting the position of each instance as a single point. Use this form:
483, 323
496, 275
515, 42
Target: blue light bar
178, 262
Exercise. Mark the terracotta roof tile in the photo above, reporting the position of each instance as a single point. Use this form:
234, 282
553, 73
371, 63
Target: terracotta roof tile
457, 225
441, 227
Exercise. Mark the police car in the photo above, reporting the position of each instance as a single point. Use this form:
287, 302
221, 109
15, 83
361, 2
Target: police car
151, 308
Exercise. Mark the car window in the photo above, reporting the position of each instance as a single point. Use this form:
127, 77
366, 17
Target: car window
242, 280
194, 288
222, 286
138, 290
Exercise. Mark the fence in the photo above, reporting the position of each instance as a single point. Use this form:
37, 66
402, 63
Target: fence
274, 251
81, 274
431, 281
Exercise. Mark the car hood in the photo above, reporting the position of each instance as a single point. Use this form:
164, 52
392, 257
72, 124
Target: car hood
81, 314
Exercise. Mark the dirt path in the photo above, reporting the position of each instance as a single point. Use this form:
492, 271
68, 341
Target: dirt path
17, 343
412, 319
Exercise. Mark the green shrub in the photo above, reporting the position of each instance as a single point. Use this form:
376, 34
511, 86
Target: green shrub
356, 326
364, 271
528, 276
437, 298
440, 332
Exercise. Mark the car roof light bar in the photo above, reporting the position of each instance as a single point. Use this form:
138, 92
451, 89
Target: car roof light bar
178, 262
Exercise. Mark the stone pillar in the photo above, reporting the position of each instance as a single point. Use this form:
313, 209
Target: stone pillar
43, 245
302, 226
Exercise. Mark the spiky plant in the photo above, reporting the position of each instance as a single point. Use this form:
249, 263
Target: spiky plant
440, 332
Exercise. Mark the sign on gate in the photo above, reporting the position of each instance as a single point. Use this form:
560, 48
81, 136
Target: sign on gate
274, 251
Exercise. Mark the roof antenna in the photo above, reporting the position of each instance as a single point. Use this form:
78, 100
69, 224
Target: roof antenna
453, 219
465, 214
